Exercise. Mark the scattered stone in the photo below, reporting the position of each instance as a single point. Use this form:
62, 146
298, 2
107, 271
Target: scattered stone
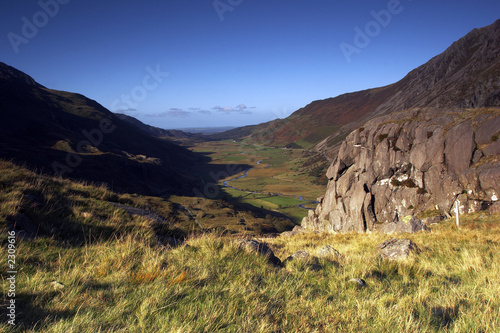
57, 285
328, 251
395, 249
408, 224
495, 208
359, 282
254, 246
299, 255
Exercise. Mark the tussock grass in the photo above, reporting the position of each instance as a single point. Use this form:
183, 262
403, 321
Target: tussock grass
124, 282
210, 284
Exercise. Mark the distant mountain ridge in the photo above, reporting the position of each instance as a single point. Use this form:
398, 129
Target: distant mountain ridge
466, 75
152, 130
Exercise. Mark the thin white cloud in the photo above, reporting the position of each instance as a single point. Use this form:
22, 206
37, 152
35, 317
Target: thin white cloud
124, 111
241, 108
173, 112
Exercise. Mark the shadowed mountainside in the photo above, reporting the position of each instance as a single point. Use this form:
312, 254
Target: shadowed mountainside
68, 134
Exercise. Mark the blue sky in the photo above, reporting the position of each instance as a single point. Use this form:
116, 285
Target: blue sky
204, 63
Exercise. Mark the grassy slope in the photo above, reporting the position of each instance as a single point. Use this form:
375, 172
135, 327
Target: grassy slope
124, 285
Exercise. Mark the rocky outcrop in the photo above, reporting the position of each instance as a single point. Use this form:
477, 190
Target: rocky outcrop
410, 162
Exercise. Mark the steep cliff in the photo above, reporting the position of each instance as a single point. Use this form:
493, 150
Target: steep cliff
409, 162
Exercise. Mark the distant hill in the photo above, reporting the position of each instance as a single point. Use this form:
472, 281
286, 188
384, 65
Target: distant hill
68, 134
207, 130
466, 75
154, 131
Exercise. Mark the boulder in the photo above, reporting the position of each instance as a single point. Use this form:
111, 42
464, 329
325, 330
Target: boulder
299, 255
493, 149
394, 249
328, 252
487, 130
295, 231
25, 228
253, 246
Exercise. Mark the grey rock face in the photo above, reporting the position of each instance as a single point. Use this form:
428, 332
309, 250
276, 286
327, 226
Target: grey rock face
407, 163
394, 249
408, 224
433, 219
495, 208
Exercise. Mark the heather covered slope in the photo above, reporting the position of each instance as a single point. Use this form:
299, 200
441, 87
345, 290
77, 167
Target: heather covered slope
68, 134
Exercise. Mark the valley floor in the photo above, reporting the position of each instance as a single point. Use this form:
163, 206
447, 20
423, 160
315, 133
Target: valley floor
266, 177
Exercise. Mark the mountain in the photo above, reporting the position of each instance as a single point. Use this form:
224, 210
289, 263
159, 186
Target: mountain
155, 131
466, 75
70, 135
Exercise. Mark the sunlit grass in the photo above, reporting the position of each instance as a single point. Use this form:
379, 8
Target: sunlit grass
124, 285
